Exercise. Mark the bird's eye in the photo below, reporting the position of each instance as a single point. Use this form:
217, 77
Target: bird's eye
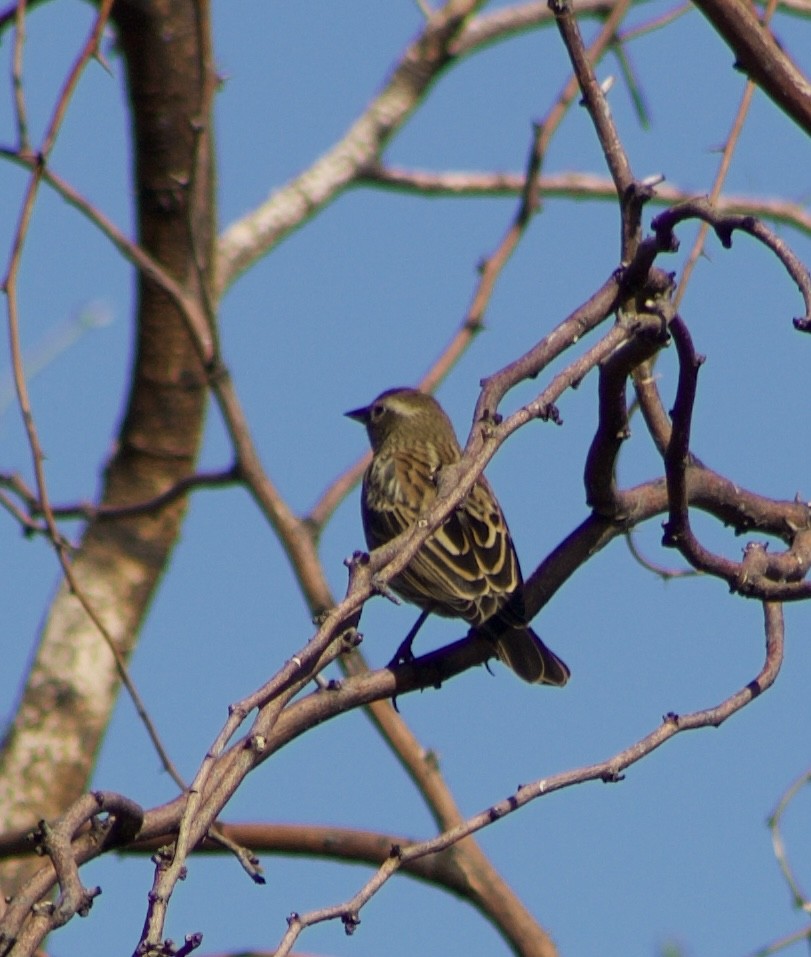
377, 412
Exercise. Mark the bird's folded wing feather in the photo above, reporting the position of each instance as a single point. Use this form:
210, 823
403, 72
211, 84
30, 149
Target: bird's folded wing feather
468, 564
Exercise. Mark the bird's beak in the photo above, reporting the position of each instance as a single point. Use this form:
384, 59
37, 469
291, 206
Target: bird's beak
359, 415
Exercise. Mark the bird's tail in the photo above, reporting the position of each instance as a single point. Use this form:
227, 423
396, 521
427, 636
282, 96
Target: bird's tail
523, 651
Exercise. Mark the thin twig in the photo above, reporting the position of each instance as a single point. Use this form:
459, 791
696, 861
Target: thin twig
609, 770
804, 933
655, 23
244, 241
720, 175
800, 899
572, 185
187, 305
610, 142
20, 113
661, 571
527, 185
216, 782
90, 512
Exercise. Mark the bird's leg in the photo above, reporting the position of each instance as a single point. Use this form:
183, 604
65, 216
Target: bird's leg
404, 652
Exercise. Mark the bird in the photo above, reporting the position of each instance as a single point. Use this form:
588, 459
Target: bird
468, 568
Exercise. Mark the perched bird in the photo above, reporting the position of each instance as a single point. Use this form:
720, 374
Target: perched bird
468, 567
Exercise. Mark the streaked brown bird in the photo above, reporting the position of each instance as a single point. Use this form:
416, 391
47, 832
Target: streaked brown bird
468, 567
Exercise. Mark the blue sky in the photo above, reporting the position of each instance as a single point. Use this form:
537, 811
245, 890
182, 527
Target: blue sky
361, 299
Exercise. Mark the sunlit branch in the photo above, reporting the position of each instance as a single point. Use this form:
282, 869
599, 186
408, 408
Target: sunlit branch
609, 770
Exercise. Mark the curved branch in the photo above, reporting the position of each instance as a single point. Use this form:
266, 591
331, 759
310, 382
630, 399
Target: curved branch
447, 869
706, 490
759, 575
725, 226
607, 771
321, 705
613, 429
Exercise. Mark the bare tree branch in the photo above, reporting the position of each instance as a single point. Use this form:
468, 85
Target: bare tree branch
609, 770
576, 186
301, 715
761, 58
251, 237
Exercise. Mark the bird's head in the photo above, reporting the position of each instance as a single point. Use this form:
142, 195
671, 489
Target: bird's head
404, 417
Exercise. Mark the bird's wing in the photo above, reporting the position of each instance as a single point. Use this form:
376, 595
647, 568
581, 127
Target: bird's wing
468, 567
